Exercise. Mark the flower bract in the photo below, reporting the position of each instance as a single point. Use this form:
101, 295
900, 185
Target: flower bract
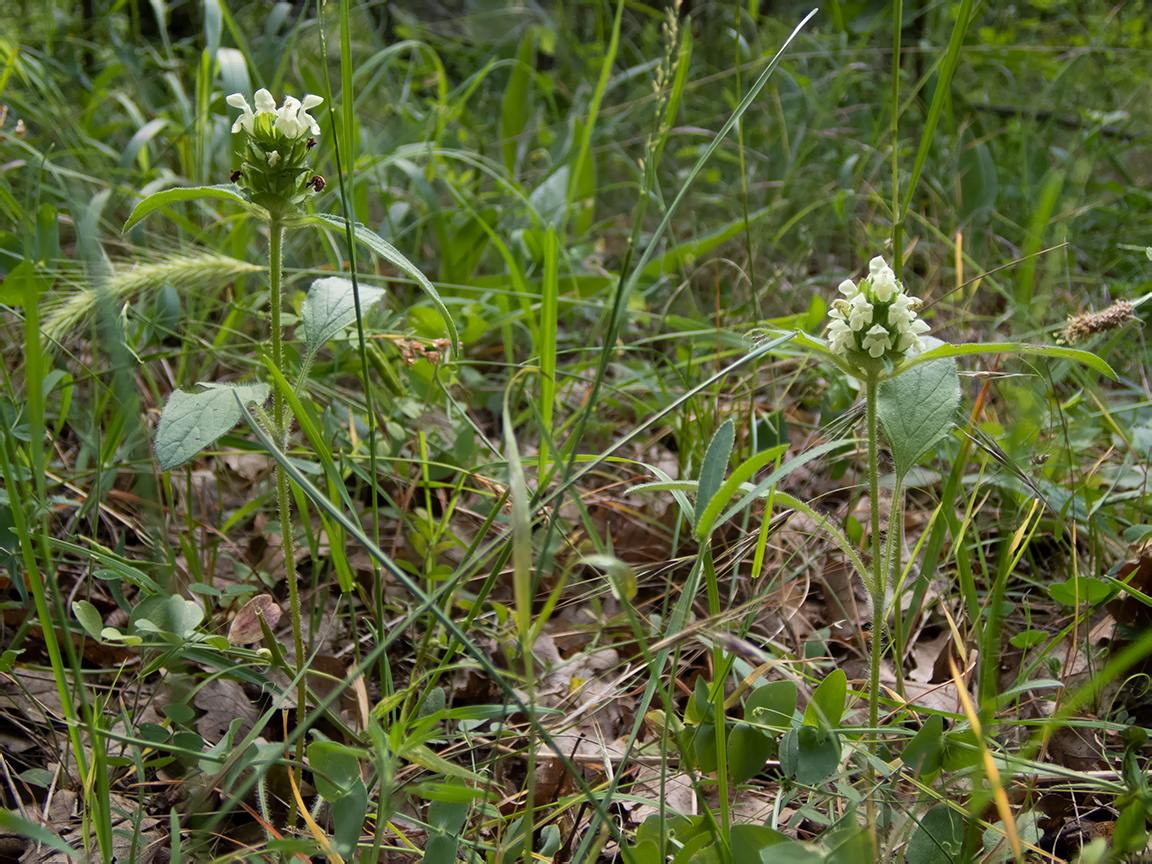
277, 144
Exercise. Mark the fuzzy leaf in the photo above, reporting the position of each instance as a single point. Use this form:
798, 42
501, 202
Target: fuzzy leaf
946, 350
192, 421
330, 307
917, 409
393, 256
228, 192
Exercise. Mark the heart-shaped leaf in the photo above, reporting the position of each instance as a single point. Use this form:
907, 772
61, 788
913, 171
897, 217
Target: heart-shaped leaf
917, 408
331, 306
192, 421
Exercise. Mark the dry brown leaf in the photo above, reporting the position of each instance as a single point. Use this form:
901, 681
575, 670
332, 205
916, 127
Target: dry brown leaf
246, 628
222, 701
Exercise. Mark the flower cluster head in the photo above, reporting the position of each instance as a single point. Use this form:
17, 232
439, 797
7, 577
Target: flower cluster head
875, 319
277, 141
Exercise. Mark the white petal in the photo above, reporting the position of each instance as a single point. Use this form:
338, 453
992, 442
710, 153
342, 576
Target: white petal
847, 288
306, 119
876, 265
265, 104
244, 121
884, 284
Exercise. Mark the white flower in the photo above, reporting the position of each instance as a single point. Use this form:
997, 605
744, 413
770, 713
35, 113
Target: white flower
273, 158
840, 337
292, 119
909, 335
847, 288
287, 118
306, 118
877, 340
861, 312
244, 121
883, 282
265, 104
901, 311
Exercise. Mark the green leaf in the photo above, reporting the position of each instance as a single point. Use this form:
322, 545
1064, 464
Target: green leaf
772, 705
1060, 352
961, 750
1028, 638
749, 842
748, 752
88, 617
938, 838
184, 616
714, 466
621, 577
393, 256
192, 421
732, 485
704, 743
1082, 589
14, 824
331, 306
227, 192
348, 814
924, 752
826, 706
809, 754
1129, 834
336, 768
917, 409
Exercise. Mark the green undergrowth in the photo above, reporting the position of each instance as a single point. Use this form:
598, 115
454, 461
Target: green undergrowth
573, 494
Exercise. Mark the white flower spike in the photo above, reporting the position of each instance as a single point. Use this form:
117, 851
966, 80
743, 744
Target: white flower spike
276, 147
876, 318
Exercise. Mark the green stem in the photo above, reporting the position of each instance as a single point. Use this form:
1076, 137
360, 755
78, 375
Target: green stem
879, 587
280, 434
878, 590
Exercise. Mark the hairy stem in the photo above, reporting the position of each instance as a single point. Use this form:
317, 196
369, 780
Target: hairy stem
280, 434
878, 590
